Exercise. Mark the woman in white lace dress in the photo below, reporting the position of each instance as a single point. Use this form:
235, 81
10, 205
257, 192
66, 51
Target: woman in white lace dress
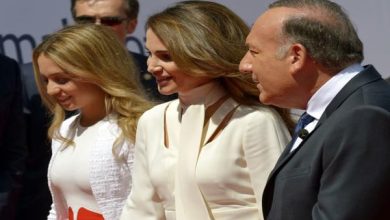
85, 69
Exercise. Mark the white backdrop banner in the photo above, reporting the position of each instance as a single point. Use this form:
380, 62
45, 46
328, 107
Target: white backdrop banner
23, 24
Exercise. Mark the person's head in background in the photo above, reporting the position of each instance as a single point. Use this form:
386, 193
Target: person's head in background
120, 15
296, 46
196, 42
86, 68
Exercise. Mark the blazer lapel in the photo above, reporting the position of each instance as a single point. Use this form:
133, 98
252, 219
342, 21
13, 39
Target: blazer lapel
217, 118
172, 123
368, 75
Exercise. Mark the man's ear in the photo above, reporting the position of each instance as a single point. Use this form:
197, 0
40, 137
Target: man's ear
297, 57
131, 25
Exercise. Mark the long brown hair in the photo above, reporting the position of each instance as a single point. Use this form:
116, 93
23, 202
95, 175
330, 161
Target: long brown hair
208, 39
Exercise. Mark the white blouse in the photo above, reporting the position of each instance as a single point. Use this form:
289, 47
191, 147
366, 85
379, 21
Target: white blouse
69, 172
109, 179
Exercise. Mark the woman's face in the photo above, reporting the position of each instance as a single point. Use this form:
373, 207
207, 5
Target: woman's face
69, 91
170, 78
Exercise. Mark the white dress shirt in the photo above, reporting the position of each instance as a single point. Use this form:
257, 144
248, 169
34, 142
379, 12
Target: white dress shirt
325, 94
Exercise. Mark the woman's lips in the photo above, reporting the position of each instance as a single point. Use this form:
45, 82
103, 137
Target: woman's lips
63, 101
163, 80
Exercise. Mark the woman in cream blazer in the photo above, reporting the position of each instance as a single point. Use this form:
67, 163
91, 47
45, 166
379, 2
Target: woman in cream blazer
206, 155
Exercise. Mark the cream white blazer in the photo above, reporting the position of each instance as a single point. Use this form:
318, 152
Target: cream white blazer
231, 170
110, 180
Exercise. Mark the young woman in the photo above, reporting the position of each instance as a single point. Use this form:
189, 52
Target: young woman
86, 69
207, 154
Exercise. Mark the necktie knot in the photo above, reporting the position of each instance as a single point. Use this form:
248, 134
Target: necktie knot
304, 120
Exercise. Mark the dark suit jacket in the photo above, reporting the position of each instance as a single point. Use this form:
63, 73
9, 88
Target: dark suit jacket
34, 199
37, 121
147, 80
342, 169
12, 136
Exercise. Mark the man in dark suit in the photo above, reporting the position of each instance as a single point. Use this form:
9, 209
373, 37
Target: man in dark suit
121, 16
306, 54
12, 137
35, 199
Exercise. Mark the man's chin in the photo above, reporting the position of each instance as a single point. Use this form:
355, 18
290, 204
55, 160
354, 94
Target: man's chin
265, 99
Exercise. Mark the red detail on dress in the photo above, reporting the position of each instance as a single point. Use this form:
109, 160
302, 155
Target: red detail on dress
85, 214
70, 213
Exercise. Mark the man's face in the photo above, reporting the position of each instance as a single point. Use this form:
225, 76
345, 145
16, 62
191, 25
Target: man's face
106, 12
269, 70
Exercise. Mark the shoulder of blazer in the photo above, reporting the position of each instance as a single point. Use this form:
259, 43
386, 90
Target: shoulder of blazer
9, 75
7, 63
368, 75
157, 111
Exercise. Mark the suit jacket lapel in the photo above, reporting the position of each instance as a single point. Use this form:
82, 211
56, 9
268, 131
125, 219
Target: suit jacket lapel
368, 75
287, 155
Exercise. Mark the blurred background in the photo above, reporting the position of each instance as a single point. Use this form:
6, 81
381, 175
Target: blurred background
23, 23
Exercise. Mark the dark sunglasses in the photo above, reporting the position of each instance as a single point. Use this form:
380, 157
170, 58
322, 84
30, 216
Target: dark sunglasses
108, 21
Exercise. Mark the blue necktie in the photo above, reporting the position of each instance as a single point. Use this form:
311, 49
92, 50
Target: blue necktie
299, 130
304, 120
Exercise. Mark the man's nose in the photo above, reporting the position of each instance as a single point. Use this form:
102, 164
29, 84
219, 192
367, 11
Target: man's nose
245, 65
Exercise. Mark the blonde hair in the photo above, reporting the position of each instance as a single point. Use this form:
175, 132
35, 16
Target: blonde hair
95, 54
208, 39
